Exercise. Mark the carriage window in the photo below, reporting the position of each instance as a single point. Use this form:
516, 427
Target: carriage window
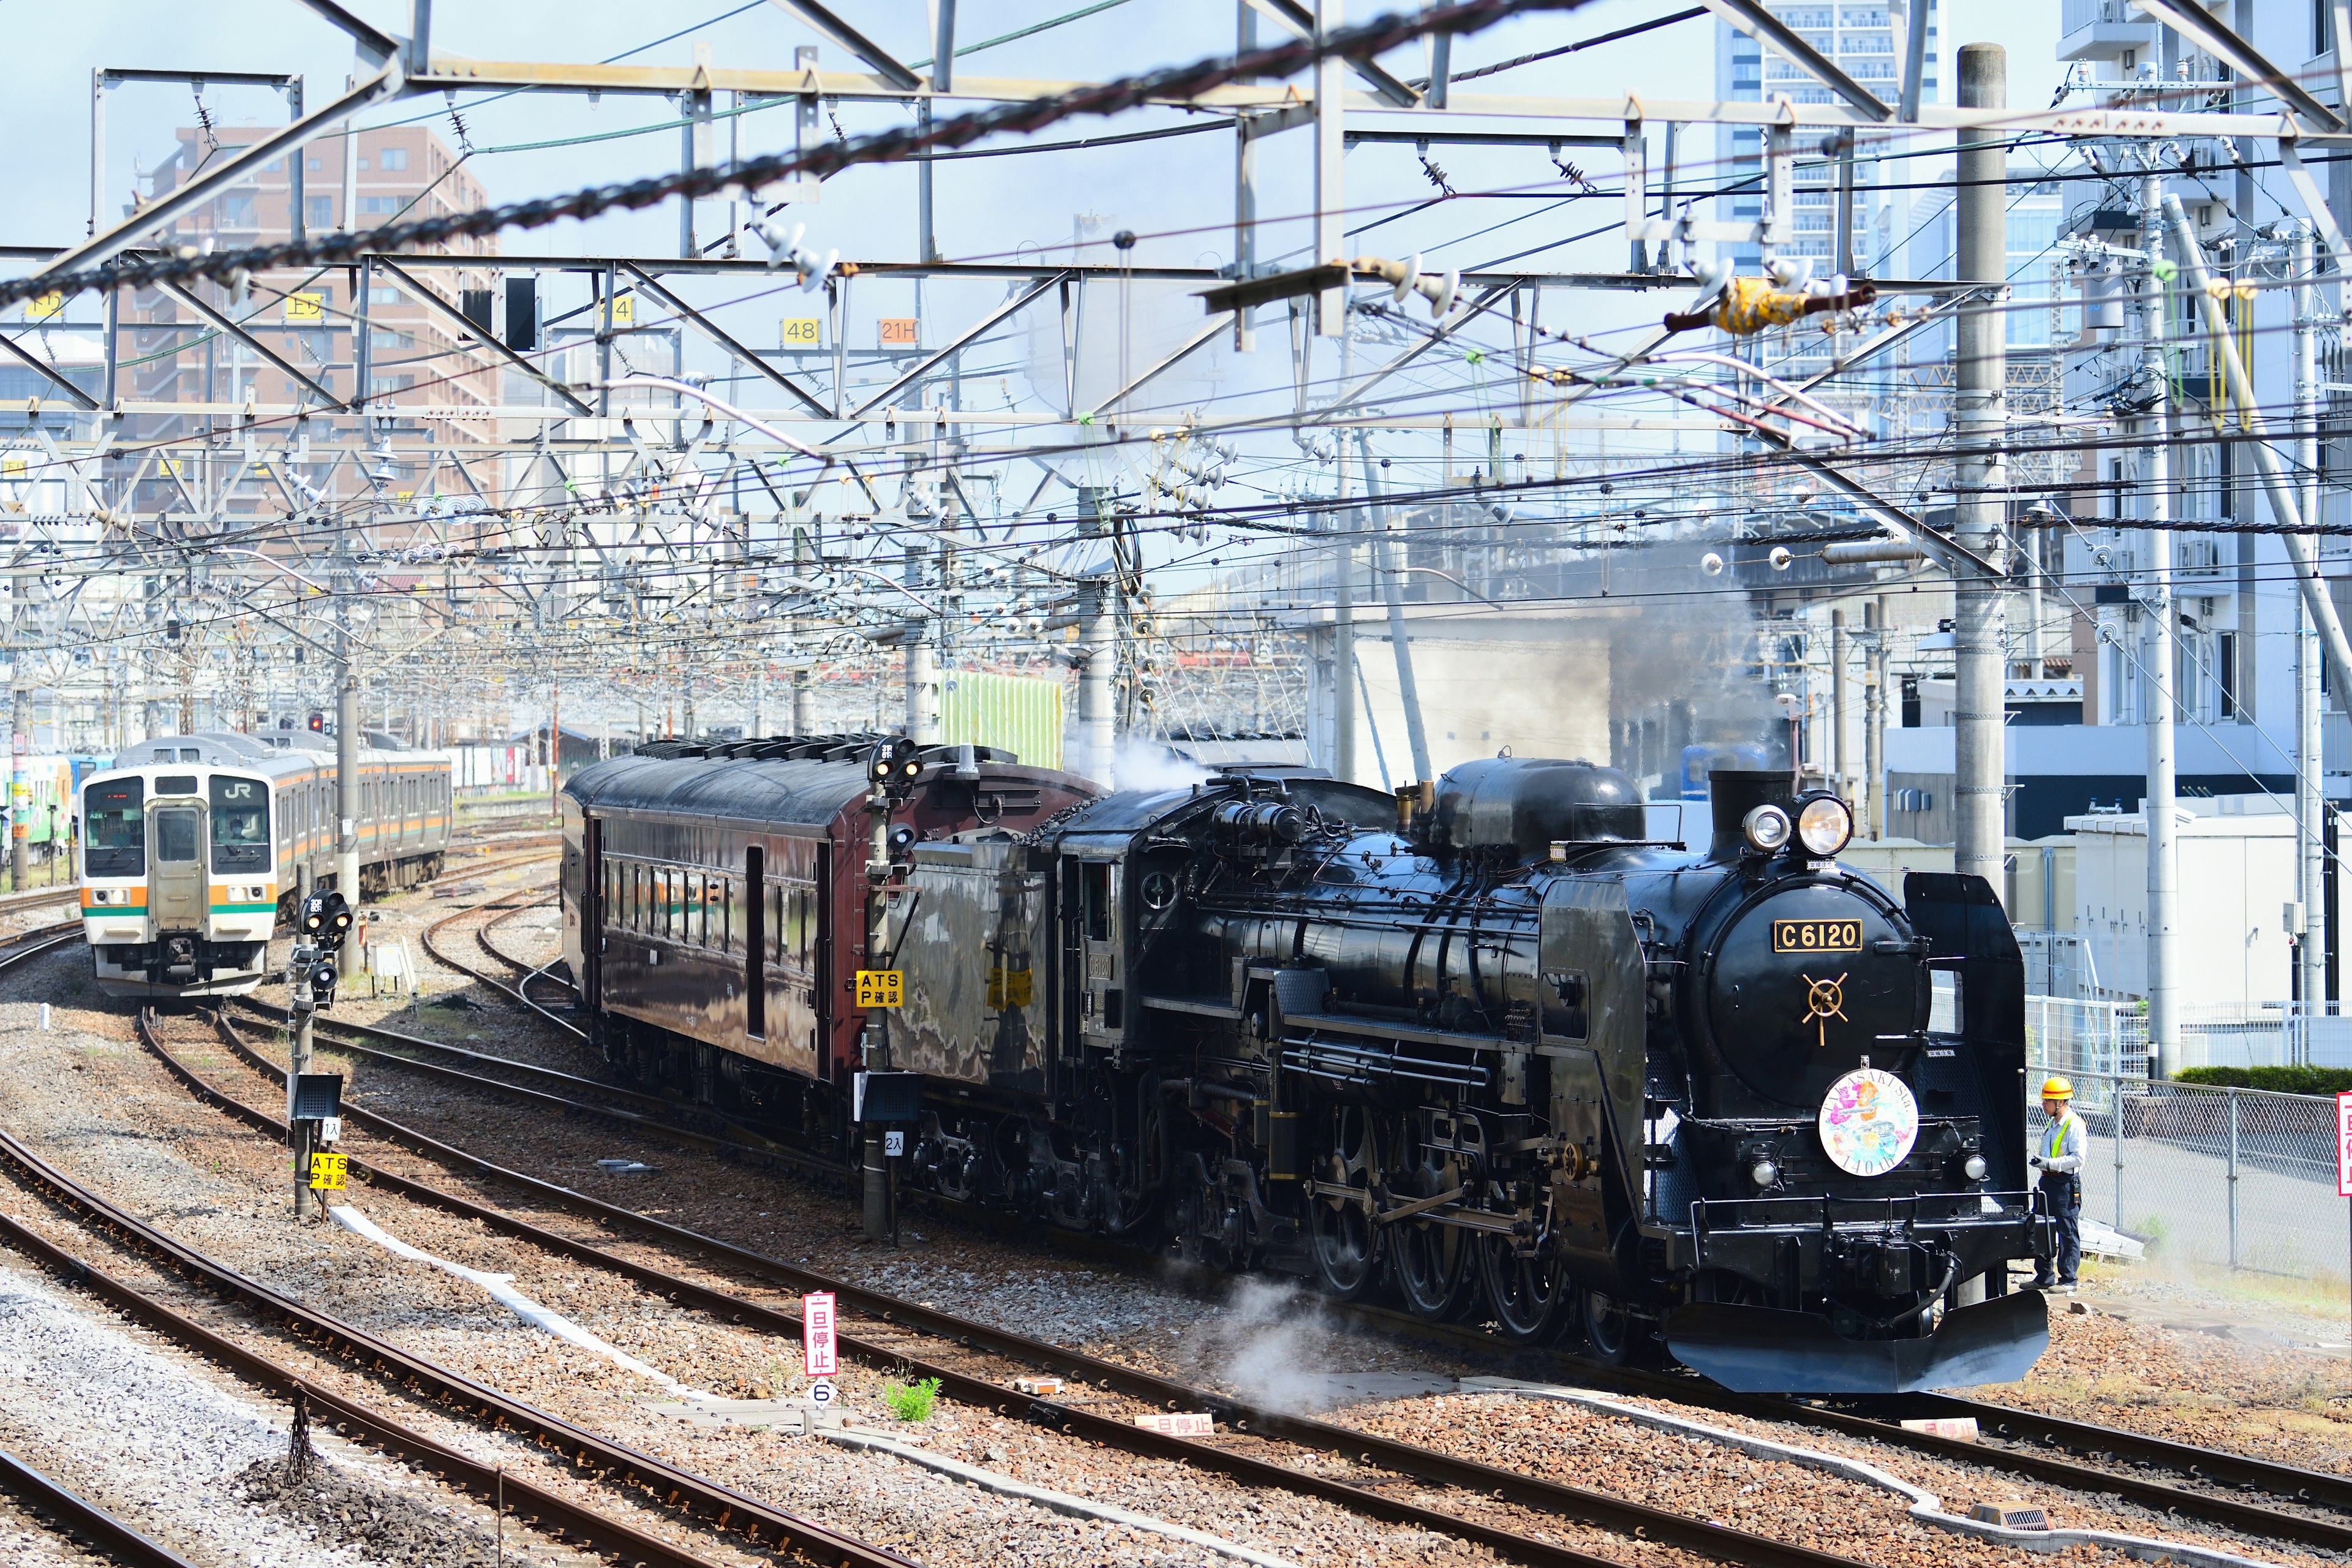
117, 829
731, 916
175, 836
240, 823
1094, 888
775, 922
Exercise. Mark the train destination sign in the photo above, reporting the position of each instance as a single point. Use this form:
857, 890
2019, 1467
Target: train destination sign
1816, 936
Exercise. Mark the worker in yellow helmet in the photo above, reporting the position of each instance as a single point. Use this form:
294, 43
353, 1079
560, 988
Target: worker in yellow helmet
2058, 1155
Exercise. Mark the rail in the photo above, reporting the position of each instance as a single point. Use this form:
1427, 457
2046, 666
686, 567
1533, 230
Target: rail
651, 1482
78, 1515
2216, 1466
1720, 1543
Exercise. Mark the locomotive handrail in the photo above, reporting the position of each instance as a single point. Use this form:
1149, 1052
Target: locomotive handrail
1387, 1029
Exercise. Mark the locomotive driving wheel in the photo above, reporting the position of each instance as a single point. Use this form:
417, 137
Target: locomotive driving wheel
1347, 1253
1430, 1259
1614, 1335
1526, 1293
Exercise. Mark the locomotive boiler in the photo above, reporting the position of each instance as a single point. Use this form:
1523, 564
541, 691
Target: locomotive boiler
1487, 1046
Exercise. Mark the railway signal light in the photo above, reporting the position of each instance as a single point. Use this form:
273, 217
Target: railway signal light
895, 765
324, 919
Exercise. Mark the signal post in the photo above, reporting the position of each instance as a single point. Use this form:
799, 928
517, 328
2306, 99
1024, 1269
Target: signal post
314, 1100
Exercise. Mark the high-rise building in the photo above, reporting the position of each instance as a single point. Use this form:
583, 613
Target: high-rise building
309, 317
1865, 39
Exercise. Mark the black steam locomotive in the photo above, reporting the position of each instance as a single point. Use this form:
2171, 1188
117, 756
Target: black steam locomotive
1488, 1047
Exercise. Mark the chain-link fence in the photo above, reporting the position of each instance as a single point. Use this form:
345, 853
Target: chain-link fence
2240, 1178
2265, 1034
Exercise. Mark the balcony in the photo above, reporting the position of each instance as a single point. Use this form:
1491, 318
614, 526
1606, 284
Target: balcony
2103, 31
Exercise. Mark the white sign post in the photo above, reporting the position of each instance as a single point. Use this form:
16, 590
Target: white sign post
2344, 1144
820, 1352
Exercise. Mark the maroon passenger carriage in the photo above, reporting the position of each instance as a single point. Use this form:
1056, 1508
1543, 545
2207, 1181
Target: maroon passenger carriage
714, 904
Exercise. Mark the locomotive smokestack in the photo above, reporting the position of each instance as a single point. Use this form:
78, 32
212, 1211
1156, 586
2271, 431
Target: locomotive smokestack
1734, 792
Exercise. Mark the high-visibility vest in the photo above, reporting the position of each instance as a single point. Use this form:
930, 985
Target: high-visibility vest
2058, 1137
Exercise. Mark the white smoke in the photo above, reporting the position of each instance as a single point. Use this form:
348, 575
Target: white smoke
1143, 765
1262, 1345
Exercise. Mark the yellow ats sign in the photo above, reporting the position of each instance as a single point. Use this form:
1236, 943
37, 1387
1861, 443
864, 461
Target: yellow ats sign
329, 1172
1011, 988
881, 987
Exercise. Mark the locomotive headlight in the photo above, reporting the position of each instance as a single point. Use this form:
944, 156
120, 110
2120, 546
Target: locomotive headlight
1823, 825
1764, 1172
1974, 1167
1766, 829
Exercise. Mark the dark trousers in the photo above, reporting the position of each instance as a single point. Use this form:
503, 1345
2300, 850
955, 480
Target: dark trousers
2063, 1192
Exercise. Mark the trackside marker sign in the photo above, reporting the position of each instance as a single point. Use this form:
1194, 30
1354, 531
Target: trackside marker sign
820, 1353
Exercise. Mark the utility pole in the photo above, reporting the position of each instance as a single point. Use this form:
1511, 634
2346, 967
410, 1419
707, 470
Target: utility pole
922, 687
1392, 591
2156, 619
1837, 705
2311, 942
1979, 412
1096, 756
1874, 727
347, 760
20, 782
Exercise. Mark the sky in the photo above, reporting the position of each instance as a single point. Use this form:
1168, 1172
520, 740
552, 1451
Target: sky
1175, 193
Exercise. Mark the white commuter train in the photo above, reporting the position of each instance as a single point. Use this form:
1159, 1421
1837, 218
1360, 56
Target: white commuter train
191, 845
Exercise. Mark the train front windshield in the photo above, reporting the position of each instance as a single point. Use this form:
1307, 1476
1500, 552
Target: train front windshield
115, 824
240, 823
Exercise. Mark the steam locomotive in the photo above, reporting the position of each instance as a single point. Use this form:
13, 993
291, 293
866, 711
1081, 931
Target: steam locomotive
1484, 1045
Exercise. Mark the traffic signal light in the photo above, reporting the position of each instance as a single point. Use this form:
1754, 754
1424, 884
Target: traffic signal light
318, 723
322, 983
324, 919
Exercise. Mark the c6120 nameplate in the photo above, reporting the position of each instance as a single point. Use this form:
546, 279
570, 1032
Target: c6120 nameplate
1816, 936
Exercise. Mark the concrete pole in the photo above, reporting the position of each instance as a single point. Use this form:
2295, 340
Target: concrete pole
922, 689
1330, 204
298, 1133
2311, 950
803, 703
347, 793
1392, 591
1837, 705
20, 786
1979, 415
759, 700
2155, 657
1874, 729
1096, 755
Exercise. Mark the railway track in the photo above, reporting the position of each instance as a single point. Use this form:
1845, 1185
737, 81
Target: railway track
651, 1483
516, 991
68, 1512
2081, 1455
2100, 1447
901, 1323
